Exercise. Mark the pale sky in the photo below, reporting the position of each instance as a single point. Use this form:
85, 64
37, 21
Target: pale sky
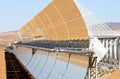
16, 13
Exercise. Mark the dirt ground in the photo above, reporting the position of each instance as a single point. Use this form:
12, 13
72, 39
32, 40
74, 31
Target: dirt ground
114, 75
2, 63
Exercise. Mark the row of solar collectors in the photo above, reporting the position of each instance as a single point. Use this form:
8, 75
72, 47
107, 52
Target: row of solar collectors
51, 65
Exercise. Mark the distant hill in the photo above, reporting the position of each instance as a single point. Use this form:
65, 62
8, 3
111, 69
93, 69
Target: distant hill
7, 37
114, 25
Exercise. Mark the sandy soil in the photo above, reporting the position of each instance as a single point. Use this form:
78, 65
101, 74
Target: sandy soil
2, 63
5, 39
114, 75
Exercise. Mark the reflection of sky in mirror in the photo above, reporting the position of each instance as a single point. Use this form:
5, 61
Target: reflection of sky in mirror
15, 14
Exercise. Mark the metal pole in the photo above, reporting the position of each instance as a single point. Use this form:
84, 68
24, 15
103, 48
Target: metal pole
103, 42
89, 75
107, 48
96, 77
115, 51
119, 53
20, 36
110, 50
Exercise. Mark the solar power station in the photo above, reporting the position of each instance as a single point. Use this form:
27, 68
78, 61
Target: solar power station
65, 41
